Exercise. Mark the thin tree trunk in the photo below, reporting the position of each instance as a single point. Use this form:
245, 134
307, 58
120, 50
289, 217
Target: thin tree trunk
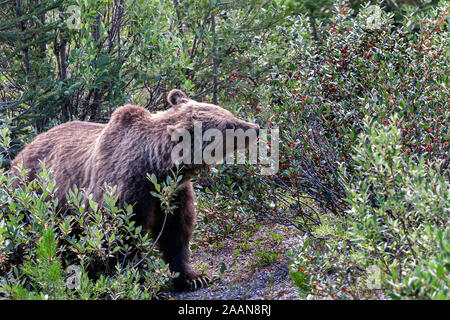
214, 49
26, 56
177, 10
314, 28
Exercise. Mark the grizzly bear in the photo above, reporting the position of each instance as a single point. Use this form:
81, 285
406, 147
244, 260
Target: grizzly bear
134, 143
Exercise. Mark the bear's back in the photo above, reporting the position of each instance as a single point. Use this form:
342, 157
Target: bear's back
64, 149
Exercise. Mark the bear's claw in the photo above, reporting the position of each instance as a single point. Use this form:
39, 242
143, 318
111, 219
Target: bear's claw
200, 282
192, 283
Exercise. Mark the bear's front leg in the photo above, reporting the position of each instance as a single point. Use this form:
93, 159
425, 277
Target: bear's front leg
174, 241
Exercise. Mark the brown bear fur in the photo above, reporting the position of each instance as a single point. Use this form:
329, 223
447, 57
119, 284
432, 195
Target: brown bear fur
120, 153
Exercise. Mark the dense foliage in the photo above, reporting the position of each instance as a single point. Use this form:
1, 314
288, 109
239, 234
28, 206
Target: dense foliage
361, 101
96, 253
395, 231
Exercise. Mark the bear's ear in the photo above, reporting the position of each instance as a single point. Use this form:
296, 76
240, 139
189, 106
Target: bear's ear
175, 97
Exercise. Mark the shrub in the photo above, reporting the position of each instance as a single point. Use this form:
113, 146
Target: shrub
397, 206
393, 200
398, 212
318, 94
431, 278
94, 253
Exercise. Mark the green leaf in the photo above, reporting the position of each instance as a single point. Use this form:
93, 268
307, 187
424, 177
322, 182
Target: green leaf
222, 269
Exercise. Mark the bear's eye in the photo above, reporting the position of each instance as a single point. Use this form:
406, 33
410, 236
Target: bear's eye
230, 125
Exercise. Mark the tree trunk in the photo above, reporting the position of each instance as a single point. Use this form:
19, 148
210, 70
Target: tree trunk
214, 49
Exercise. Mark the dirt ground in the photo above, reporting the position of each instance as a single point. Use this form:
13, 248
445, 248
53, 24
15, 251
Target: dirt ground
249, 275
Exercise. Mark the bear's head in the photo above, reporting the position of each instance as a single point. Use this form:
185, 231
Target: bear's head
206, 133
